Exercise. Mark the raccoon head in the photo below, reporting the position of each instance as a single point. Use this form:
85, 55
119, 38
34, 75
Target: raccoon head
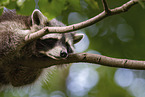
58, 46
54, 45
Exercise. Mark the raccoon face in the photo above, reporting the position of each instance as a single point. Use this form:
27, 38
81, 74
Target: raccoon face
54, 45
57, 46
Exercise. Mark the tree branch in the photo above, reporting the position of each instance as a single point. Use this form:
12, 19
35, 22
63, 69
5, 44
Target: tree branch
83, 57
36, 62
106, 8
74, 27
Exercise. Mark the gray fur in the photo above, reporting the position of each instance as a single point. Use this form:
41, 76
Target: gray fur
13, 29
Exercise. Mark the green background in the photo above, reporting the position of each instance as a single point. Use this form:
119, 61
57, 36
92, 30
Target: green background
118, 36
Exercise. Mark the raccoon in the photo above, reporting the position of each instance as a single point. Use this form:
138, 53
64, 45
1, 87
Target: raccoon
13, 29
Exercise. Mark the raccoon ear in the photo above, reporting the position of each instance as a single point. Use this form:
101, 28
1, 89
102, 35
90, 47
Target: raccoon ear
78, 37
38, 18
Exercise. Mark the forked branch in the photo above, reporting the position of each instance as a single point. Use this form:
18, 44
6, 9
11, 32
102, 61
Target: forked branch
85, 57
106, 8
74, 27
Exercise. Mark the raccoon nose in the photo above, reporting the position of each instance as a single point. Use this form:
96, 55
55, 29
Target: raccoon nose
63, 54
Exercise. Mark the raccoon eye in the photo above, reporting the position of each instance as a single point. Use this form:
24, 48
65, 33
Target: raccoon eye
69, 49
50, 40
47, 43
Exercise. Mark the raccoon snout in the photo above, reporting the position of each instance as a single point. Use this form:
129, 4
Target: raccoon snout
63, 54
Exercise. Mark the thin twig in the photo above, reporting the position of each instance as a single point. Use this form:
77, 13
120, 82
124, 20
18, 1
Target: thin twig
106, 8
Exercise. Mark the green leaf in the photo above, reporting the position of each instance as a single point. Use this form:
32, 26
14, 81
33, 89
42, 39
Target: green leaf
25, 7
4, 2
52, 8
1, 10
93, 4
12, 4
75, 5
141, 3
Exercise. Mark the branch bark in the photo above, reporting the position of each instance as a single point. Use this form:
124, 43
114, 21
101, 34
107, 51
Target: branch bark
74, 27
83, 57
35, 62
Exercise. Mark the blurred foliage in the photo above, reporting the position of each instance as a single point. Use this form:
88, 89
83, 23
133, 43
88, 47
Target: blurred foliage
119, 36
24, 7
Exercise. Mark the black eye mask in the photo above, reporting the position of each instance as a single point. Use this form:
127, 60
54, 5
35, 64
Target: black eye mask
45, 44
69, 49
